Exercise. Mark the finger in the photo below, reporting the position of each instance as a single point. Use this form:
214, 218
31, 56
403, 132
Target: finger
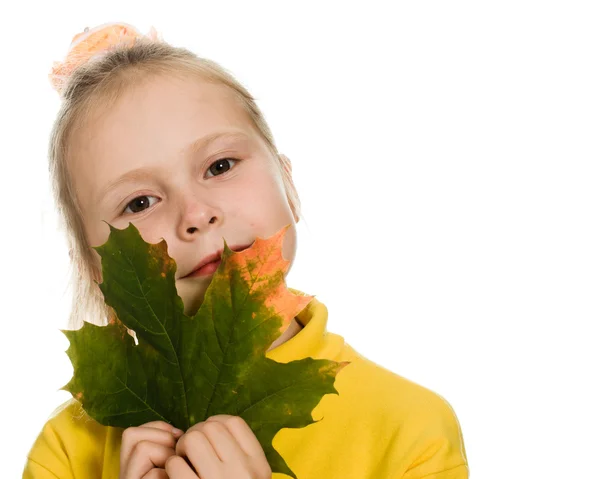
156, 474
165, 426
145, 456
198, 450
242, 433
159, 435
223, 442
178, 468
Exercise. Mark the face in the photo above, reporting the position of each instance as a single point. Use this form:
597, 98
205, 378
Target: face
193, 198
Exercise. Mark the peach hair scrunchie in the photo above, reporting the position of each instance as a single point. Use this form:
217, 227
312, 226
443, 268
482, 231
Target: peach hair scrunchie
94, 43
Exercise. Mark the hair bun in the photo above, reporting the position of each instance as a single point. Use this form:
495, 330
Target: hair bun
93, 43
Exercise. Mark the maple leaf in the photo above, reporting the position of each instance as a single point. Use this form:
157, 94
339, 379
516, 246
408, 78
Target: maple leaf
185, 369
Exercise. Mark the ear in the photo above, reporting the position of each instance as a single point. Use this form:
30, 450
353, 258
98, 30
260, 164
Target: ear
287, 167
96, 266
287, 164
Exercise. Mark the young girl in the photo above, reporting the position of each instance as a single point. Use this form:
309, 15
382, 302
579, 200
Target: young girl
153, 135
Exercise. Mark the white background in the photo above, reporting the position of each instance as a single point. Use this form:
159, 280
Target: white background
446, 154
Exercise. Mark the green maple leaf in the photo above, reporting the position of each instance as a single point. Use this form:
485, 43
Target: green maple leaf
185, 369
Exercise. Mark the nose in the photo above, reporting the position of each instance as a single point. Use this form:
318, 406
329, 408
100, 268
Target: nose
198, 214
193, 229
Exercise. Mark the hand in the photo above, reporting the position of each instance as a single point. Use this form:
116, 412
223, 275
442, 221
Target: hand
145, 449
222, 447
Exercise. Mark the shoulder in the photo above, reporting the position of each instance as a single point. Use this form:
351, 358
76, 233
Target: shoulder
412, 417
70, 420
70, 433
393, 393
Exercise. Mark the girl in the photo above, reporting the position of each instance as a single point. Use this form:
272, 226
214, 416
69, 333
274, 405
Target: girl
153, 135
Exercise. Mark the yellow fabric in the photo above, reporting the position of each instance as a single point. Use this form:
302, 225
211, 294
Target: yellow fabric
380, 426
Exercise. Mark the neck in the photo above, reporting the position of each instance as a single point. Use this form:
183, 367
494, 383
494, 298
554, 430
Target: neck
294, 328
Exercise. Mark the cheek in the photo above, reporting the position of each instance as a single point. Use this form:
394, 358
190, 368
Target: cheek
261, 195
289, 245
274, 195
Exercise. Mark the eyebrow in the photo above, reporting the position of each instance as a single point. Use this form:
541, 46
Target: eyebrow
194, 147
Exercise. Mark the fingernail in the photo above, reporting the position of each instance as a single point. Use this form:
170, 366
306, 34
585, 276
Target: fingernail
176, 431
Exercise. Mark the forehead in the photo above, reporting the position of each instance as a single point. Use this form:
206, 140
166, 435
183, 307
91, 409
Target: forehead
151, 123
162, 112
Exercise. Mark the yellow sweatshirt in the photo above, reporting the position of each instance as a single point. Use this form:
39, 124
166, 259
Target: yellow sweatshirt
380, 426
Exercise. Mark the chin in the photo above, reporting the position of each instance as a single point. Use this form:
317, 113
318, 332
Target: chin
192, 294
190, 308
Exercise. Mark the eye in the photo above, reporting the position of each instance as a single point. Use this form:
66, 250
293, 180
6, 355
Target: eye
221, 166
136, 203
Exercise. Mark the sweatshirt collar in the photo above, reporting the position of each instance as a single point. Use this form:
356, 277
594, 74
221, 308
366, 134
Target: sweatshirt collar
311, 340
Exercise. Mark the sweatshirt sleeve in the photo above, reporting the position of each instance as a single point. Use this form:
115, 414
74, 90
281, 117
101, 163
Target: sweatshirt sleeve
458, 472
47, 459
438, 450
71, 445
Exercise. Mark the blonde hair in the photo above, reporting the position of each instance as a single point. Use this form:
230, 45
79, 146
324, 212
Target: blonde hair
94, 87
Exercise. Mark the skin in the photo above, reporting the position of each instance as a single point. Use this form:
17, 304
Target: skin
222, 447
190, 200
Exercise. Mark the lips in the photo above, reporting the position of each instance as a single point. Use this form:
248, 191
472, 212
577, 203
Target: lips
213, 258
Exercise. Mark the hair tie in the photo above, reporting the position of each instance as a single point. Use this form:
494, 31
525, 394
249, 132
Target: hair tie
94, 43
